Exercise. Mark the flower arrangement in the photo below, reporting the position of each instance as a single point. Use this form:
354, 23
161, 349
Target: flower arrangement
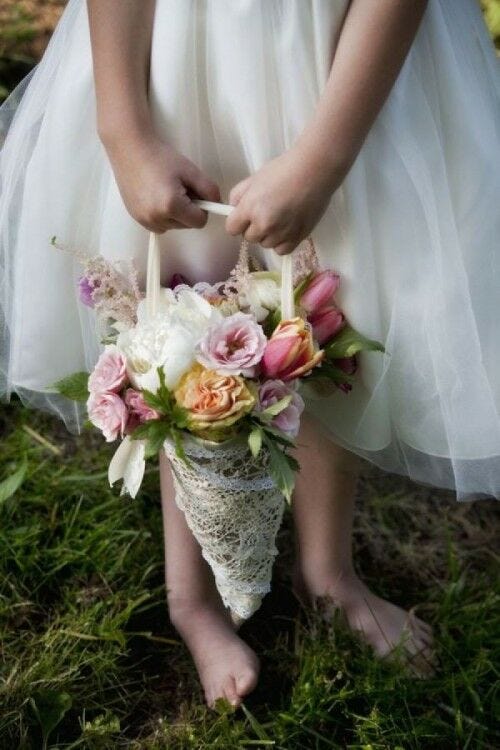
212, 375
214, 361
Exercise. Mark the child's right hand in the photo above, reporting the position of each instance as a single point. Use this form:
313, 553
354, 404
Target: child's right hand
157, 184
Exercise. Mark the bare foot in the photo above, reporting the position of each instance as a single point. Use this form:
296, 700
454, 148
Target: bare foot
389, 630
227, 667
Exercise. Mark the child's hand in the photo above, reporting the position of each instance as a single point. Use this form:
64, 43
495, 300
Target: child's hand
281, 203
157, 183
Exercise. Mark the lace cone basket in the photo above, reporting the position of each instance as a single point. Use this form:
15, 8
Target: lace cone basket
234, 511
229, 500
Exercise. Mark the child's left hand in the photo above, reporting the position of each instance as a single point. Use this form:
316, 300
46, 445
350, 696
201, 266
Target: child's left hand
280, 204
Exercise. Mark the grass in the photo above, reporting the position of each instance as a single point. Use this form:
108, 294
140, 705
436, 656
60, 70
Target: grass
89, 657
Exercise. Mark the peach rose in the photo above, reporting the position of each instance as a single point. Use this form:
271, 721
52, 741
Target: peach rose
212, 400
290, 352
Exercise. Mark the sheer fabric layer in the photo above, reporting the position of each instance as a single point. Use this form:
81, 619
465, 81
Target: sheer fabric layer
414, 230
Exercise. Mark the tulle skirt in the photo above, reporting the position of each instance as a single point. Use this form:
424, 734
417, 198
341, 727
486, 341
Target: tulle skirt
414, 231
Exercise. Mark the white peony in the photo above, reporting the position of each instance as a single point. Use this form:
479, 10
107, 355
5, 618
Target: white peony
168, 339
261, 295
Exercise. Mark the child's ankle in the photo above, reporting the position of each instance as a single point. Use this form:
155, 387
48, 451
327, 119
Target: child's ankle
331, 580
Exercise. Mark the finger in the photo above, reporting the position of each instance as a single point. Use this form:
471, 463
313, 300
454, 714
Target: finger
159, 227
271, 240
182, 209
201, 184
238, 190
253, 234
237, 222
285, 248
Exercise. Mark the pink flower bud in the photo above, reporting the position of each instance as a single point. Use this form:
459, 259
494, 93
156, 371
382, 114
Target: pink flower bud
349, 365
319, 291
326, 322
139, 411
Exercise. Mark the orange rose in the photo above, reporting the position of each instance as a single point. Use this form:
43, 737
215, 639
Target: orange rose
290, 352
213, 401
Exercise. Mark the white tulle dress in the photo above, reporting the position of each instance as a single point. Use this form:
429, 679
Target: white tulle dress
414, 231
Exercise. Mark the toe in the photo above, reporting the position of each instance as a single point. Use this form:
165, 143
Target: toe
245, 682
421, 659
425, 637
231, 692
424, 625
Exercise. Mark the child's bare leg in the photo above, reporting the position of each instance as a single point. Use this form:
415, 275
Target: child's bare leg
227, 667
323, 510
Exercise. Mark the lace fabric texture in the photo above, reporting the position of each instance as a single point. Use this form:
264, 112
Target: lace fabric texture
234, 511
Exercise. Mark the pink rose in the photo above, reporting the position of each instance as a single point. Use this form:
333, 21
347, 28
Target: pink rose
290, 352
233, 347
288, 420
319, 291
326, 322
110, 372
138, 411
107, 411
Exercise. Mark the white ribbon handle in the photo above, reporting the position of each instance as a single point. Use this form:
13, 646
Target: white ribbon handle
153, 287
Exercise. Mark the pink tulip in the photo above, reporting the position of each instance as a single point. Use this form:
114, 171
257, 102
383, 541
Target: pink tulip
326, 322
290, 352
107, 411
319, 291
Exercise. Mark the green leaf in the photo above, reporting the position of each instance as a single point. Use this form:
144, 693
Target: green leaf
349, 342
180, 417
299, 291
10, 485
278, 407
74, 387
155, 431
179, 446
282, 467
255, 441
50, 707
223, 707
327, 370
281, 437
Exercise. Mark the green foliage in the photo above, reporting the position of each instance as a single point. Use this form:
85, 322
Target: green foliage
49, 708
83, 614
74, 387
349, 342
174, 420
11, 484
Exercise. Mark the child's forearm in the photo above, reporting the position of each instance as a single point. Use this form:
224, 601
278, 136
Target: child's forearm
121, 40
374, 41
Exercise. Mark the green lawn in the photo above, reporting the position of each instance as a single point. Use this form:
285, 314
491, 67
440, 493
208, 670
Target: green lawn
87, 648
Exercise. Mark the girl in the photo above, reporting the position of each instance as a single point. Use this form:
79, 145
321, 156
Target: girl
375, 125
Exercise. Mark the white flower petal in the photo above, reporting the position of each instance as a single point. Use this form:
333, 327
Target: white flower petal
134, 470
119, 461
128, 463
